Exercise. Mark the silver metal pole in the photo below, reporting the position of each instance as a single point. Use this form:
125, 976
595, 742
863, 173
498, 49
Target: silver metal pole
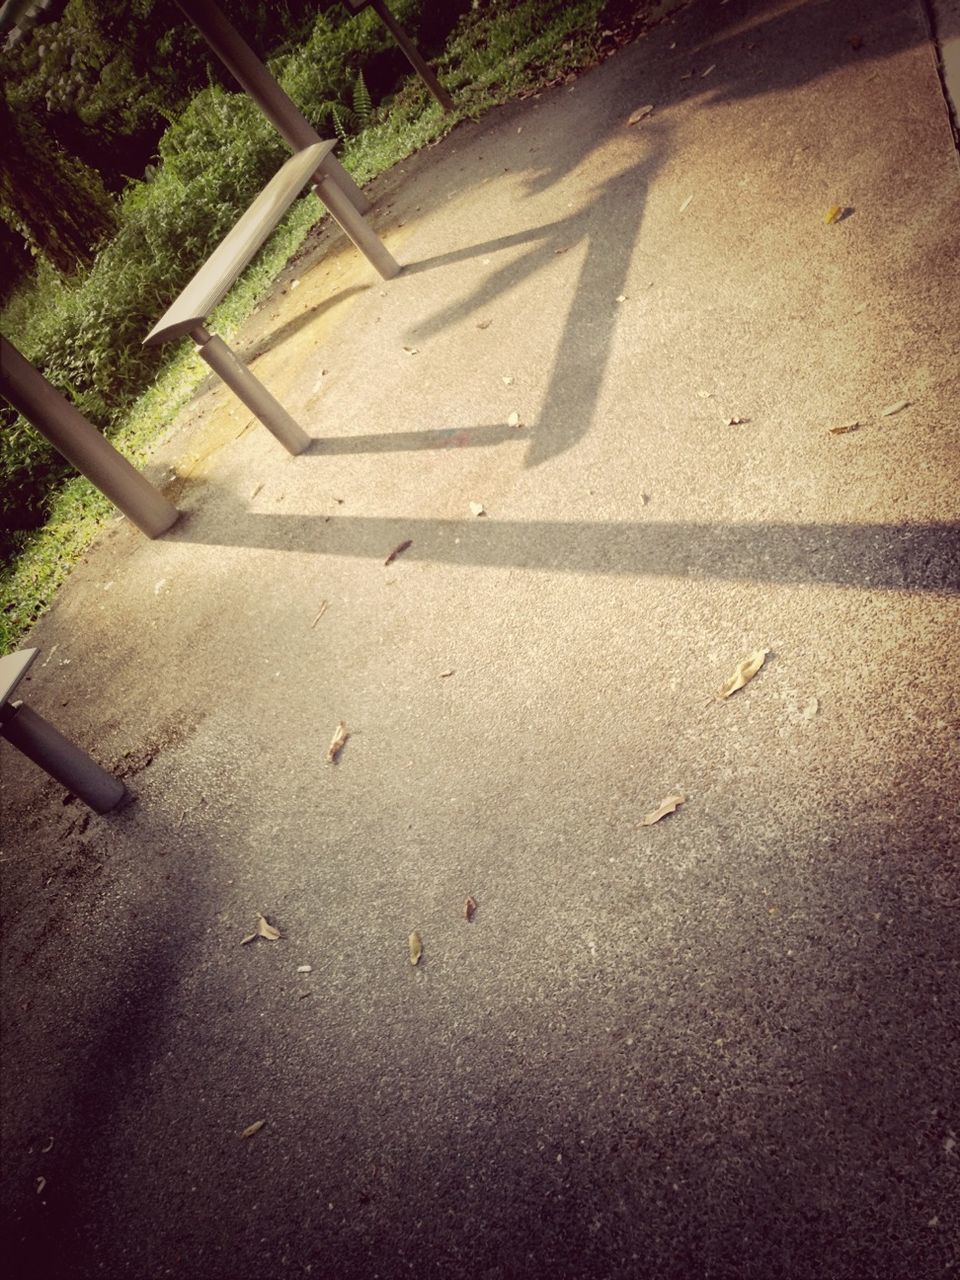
330, 167
244, 65
57, 755
413, 54
366, 240
250, 390
82, 444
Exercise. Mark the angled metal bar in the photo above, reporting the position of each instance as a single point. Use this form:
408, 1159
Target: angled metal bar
82, 444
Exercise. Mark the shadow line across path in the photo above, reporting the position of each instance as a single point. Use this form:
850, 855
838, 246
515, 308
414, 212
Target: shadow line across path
894, 557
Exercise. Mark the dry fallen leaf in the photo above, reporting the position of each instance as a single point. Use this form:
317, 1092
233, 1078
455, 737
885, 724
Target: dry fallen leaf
398, 551
833, 214
514, 419
507, 379
484, 324
412, 351
266, 930
744, 673
251, 937
894, 408
685, 204
847, 426
639, 114
667, 805
304, 968
477, 508
251, 1129
416, 948
469, 909
445, 674
734, 422
337, 743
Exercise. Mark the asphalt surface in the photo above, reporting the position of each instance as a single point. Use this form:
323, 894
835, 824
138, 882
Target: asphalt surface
945, 29
721, 1046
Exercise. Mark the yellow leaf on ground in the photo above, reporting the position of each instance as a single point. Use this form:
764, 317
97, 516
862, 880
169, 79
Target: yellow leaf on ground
640, 114
251, 1129
833, 214
266, 930
745, 672
337, 742
416, 947
667, 805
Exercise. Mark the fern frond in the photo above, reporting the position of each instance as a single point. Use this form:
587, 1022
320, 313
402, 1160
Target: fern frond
362, 103
343, 120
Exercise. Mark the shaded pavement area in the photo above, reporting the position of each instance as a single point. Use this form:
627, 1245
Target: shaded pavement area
721, 1046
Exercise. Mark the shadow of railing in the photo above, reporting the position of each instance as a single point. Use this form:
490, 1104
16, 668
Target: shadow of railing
887, 557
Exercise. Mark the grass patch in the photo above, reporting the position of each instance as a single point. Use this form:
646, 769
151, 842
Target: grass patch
78, 510
499, 50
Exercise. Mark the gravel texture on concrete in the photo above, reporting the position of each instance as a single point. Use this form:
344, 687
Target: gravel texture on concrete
722, 1046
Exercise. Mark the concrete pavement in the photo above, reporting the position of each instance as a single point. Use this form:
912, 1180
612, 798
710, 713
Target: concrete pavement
721, 1046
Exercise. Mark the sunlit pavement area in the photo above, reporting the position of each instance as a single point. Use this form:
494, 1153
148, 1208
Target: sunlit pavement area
723, 1045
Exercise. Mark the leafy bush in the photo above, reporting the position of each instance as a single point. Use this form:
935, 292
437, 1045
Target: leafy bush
87, 337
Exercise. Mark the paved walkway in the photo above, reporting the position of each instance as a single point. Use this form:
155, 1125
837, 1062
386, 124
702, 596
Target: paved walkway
724, 1045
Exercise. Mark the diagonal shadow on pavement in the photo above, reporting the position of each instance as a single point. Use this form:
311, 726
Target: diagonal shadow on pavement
408, 441
891, 557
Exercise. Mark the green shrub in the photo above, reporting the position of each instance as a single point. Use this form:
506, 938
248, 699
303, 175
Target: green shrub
87, 335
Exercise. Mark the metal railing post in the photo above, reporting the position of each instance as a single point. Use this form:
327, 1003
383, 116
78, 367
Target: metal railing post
57, 756
366, 240
82, 444
250, 390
